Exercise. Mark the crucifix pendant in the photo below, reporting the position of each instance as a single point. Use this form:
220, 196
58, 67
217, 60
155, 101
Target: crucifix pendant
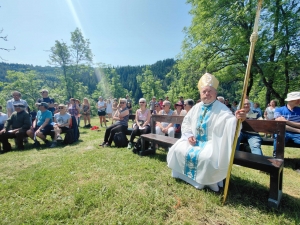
200, 131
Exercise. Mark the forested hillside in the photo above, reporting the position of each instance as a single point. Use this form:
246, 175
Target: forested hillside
93, 78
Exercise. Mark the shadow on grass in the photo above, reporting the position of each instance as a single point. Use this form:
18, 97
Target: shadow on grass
43, 146
249, 194
293, 163
161, 156
252, 194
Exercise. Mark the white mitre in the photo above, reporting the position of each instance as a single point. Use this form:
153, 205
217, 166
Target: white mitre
208, 80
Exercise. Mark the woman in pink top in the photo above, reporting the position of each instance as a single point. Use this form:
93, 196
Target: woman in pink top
142, 122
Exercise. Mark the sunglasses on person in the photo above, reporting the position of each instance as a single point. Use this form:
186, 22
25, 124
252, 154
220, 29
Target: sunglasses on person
122, 102
142, 102
17, 106
43, 92
60, 107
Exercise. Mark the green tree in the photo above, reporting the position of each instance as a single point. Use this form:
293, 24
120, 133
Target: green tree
218, 42
27, 83
70, 59
150, 85
109, 83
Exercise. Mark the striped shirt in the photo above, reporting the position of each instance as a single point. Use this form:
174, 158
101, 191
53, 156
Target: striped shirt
289, 115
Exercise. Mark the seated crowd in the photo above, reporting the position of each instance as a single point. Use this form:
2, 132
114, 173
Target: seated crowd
50, 118
54, 119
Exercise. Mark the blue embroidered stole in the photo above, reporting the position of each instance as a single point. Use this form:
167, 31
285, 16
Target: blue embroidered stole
191, 157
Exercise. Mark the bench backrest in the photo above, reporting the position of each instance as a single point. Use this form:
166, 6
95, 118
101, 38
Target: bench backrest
166, 119
269, 127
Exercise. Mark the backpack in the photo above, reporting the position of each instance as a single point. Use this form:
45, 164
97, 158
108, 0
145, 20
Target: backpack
69, 137
120, 140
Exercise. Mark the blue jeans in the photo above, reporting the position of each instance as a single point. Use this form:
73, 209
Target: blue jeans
289, 136
254, 141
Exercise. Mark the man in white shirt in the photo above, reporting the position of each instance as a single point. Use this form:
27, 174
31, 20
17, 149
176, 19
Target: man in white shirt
15, 100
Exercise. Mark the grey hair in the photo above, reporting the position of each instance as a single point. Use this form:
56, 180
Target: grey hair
167, 102
143, 99
221, 97
189, 102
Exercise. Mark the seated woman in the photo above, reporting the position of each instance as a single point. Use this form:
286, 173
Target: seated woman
61, 125
156, 108
177, 112
188, 104
122, 117
178, 108
165, 128
142, 122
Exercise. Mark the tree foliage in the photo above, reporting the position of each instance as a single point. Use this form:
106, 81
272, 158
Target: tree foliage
218, 42
150, 85
71, 59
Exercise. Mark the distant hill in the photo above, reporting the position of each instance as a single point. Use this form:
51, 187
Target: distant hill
127, 73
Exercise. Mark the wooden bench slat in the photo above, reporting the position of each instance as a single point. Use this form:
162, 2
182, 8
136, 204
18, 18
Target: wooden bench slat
263, 163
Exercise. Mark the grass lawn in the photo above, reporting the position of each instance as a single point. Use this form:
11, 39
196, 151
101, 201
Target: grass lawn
87, 184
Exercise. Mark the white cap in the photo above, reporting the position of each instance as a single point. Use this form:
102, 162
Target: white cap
293, 96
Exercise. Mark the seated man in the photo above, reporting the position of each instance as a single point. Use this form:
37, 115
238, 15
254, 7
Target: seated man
165, 128
201, 156
20, 122
290, 113
41, 125
252, 138
61, 125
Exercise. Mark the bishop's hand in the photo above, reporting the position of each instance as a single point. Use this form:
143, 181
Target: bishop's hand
192, 140
240, 114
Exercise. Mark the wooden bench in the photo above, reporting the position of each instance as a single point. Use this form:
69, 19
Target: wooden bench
161, 140
273, 166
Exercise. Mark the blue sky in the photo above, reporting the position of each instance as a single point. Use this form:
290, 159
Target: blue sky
121, 32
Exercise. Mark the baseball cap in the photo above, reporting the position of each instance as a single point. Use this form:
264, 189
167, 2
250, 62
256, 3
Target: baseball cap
19, 104
45, 104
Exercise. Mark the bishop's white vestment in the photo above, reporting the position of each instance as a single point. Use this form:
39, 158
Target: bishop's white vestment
213, 125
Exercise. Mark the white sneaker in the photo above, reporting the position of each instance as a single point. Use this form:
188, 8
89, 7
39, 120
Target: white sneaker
59, 138
129, 145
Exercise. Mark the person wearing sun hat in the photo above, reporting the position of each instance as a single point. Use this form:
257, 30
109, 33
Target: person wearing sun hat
201, 156
290, 113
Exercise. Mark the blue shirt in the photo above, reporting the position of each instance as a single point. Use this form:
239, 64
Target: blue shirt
42, 116
288, 114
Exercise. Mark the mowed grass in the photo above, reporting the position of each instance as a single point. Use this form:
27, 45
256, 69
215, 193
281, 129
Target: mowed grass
87, 184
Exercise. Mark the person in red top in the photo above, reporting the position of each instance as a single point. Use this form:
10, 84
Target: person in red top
161, 102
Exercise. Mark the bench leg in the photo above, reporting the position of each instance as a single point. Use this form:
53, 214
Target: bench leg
142, 144
275, 189
144, 151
